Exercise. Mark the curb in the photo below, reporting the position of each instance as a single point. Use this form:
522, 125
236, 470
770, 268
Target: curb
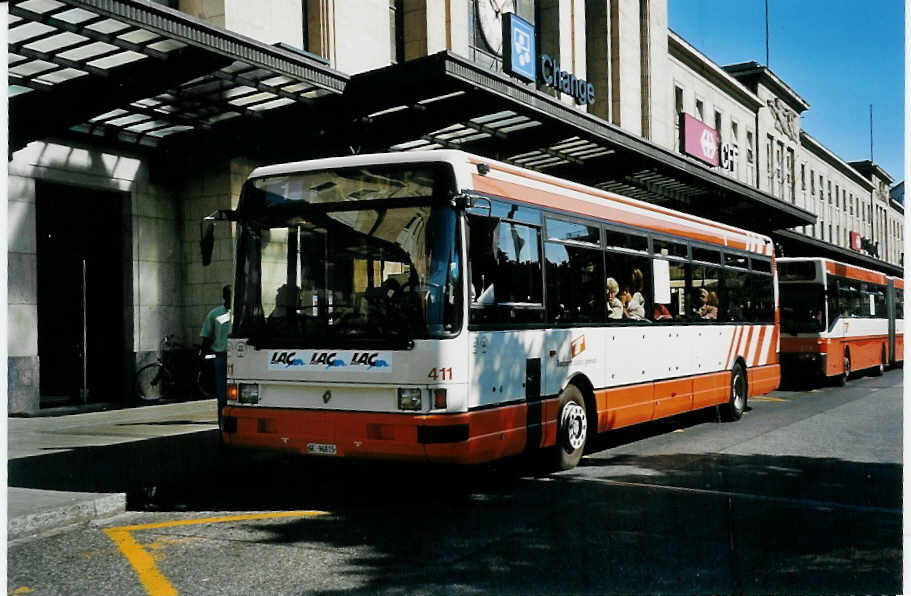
59, 510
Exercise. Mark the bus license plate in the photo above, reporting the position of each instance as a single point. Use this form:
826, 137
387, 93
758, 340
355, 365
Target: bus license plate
321, 448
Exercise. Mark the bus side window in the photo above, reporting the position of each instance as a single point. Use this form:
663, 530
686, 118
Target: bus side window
899, 304
575, 284
633, 274
763, 296
705, 288
669, 291
506, 274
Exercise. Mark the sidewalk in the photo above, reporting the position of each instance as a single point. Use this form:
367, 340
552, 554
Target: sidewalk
68, 470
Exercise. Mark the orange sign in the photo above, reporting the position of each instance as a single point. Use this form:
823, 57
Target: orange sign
578, 345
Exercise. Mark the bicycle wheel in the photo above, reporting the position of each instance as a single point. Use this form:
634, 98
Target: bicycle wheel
153, 381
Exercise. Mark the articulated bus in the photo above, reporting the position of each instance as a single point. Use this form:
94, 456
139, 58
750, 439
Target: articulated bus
445, 307
838, 318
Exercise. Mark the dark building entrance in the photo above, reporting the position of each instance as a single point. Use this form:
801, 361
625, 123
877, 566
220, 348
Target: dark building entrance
81, 267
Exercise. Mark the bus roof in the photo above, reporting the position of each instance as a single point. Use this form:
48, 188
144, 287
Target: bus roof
536, 188
842, 269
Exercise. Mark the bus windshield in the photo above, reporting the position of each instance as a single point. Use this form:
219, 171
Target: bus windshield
802, 308
348, 258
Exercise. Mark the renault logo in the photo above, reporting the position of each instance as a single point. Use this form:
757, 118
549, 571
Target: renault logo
327, 396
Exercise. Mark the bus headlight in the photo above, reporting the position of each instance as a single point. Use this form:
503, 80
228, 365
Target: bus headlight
409, 398
249, 393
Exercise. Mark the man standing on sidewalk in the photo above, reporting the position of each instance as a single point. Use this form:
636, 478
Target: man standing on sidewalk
214, 336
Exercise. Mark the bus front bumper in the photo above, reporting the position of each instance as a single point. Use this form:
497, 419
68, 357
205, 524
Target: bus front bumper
463, 438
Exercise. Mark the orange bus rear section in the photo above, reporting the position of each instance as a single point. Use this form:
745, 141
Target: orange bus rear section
477, 436
865, 352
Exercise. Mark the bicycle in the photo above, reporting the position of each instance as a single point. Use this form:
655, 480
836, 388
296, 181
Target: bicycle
158, 380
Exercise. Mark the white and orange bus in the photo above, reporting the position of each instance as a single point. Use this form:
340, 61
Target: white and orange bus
838, 318
446, 307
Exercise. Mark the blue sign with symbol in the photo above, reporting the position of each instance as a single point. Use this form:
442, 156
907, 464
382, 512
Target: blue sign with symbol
519, 49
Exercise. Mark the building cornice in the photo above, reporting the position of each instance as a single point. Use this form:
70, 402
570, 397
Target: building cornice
868, 168
756, 73
813, 145
683, 51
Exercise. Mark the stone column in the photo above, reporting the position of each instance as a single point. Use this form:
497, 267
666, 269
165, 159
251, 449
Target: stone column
22, 286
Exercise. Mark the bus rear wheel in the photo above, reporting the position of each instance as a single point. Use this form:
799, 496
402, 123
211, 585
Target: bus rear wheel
572, 428
842, 379
737, 403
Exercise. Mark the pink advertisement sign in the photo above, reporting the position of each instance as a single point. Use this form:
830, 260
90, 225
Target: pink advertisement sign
700, 141
856, 243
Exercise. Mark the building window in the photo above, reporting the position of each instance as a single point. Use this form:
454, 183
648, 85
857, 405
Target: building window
803, 176
779, 168
700, 109
812, 183
830, 195
851, 205
830, 233
789, 175
678, 111
718, 124
837, 203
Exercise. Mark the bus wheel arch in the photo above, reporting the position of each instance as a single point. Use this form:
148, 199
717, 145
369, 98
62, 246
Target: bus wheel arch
740, 391
881, 367
585, 387
841, 378
572, 428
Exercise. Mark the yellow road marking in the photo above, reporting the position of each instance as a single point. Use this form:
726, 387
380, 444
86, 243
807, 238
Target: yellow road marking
22, 590
154, 582
767, 398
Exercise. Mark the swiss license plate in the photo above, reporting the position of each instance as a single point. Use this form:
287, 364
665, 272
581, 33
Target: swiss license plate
321, 448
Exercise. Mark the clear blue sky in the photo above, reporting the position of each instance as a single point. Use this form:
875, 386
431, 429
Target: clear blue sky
839, 55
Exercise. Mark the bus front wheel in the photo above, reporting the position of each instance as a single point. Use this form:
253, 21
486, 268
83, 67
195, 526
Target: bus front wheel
572, 428
737, 403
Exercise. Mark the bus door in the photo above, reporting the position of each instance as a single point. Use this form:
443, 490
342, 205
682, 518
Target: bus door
507, 308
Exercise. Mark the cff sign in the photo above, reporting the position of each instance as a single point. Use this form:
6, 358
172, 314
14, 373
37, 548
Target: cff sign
856, 241
699, 140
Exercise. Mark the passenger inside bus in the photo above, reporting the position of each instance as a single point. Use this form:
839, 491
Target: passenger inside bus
703, 308
633, 307
614, 306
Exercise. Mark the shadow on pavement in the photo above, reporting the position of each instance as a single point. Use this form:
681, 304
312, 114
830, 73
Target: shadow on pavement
617, 524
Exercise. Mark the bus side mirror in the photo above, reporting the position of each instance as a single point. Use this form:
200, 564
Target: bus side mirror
207, 242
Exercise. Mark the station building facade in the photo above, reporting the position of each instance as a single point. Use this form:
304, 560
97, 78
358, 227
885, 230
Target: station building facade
188, 96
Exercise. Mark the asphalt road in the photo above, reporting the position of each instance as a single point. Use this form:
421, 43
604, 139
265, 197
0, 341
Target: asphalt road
803, 495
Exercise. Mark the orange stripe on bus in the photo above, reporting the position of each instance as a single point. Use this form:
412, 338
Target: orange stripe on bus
758, 355
761, 240
734, 335
857, 273
745, 350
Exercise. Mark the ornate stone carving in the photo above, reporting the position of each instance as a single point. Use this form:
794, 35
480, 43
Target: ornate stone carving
786, 120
